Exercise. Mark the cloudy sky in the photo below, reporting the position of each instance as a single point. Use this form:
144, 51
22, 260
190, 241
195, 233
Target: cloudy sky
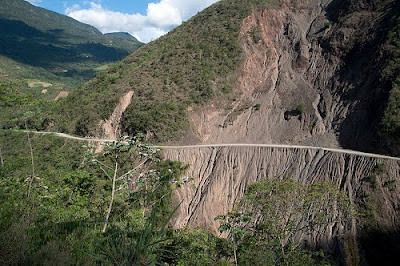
144, 19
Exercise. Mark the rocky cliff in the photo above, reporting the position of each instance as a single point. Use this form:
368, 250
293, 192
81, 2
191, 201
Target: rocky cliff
312, 74
221, 175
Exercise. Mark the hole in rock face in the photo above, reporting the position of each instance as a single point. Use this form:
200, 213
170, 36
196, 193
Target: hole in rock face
286, 32
290, 113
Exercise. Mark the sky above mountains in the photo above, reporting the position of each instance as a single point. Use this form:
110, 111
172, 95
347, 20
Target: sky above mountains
144, 19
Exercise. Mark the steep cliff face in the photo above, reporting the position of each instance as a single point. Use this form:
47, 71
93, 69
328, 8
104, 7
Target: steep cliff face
312, 74
284, 68
221, 175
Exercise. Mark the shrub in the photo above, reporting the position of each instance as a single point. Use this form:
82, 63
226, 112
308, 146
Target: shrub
327, 24
372, 180
255, 33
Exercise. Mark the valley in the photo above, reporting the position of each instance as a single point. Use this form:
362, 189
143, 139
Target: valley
275, 131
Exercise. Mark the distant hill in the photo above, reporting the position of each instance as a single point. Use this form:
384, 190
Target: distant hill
67, 48
121, 36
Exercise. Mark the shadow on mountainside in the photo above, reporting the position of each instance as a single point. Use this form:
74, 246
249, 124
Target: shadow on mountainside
379, 247
372, 246
361, 82
28, 45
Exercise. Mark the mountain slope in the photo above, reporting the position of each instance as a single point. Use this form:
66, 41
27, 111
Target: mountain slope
315, 72
292, 73
191, 65
41, 38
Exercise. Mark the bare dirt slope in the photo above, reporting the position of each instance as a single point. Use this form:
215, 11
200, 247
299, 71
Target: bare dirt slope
111, 126
295, 82
279, 73
303, 81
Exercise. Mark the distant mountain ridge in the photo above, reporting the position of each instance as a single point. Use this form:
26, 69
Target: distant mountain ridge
42, 38
43, 19
121, 35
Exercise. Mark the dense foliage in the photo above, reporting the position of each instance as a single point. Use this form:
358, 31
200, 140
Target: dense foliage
391, 120
23, 106
59, 222
264, 228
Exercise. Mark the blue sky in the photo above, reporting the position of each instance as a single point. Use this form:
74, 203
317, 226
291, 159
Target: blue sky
129, 6
144, 19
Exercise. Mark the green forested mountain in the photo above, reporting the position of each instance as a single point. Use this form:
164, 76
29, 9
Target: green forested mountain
37, 37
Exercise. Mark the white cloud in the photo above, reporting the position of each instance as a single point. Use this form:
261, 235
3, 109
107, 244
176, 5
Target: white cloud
34, 2
72, 8
160, 18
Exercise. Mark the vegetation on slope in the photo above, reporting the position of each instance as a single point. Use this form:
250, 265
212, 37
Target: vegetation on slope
391, 120
193, 64
23, 106
265, 225
53, 205
60, 221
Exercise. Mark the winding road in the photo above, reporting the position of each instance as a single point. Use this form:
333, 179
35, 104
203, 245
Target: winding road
284, 146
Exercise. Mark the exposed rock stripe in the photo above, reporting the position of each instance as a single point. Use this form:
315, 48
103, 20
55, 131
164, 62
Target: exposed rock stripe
111, 125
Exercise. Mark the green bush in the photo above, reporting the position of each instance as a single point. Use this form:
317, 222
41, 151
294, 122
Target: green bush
300, 109
372, 180
327, 24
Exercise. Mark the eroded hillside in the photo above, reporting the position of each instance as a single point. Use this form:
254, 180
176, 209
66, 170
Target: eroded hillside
312, 74
222, 174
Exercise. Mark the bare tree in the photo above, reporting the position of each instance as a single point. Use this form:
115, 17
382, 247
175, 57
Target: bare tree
32, 160
1, 159
120, 152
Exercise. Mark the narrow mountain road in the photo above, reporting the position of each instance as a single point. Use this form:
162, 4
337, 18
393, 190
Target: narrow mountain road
283, 146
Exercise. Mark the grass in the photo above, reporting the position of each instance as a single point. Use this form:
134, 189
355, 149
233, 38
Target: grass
101, 68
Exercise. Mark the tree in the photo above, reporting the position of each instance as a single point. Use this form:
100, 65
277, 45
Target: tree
234, 224
119, 153
274, 216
